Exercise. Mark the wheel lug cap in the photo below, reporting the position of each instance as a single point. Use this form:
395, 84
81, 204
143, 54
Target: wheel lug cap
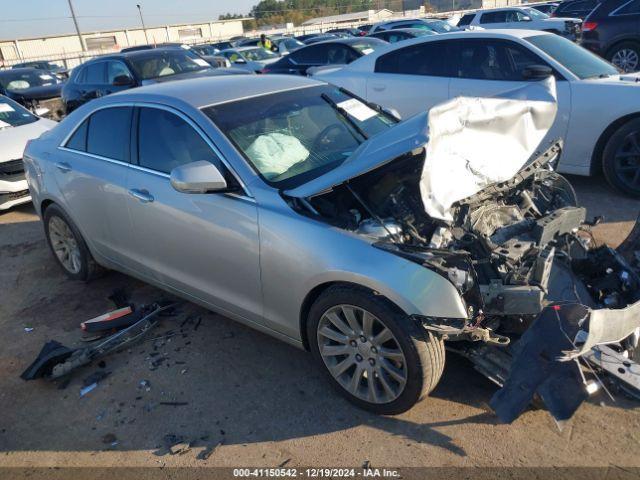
374, 350
363, 338
372, 362
353, 343
359, 357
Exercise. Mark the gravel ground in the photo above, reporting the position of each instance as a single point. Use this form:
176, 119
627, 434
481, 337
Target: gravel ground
253, 401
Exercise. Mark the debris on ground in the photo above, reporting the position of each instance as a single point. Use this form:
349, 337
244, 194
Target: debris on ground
116, 319
95, 377
28, 329
87, 389
55, 360
109, 438
145, 384
174, 404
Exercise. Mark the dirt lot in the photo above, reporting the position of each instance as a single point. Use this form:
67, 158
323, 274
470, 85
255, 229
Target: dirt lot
253, 401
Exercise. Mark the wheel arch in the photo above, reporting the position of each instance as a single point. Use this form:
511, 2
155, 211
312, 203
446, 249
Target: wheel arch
596, 156
318, 290
618, 41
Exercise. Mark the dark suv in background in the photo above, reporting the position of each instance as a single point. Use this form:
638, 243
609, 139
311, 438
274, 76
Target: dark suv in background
575, 8
112, 73
612, 30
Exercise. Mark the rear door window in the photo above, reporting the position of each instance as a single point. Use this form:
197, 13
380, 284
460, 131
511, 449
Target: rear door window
430, 59
494, 17
312, 55
109, 133
96, 74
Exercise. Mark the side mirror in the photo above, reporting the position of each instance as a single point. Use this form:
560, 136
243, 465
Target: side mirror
241, 61
536, 72
122, 81
526, 18
198, 177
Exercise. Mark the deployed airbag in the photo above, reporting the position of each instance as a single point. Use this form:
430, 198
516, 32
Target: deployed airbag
276, 152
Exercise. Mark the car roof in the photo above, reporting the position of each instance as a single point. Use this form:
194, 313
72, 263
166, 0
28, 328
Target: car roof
149, 52
515, 7
201, 92
13, 71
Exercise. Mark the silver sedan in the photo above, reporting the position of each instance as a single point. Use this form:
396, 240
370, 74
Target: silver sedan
184, 185
295, 208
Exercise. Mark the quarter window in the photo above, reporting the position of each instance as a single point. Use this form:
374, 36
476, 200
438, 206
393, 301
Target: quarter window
166, 141
109, 132
466, 19
78, 140
428, 59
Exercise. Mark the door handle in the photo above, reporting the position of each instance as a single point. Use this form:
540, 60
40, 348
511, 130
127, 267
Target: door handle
143, 195
379, 88
64, 167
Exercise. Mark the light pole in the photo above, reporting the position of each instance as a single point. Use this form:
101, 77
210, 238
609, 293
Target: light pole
144, 29
75, 22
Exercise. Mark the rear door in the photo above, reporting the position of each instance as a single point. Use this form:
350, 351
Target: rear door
116, 71
91, 171
486, 67
411, 79
204, 245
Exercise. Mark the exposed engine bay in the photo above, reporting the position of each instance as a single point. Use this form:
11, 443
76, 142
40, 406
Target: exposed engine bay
514, 250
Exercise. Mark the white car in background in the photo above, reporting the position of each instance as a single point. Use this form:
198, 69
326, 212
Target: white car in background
253, 59
521, 18
598, 108
17, 126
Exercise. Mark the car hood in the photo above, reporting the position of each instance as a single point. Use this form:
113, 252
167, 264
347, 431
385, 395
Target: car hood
619, 79
209, 72
469, 143
37, 93
14, 139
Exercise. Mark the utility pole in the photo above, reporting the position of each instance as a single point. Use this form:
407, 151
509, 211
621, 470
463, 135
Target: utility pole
144, 29
75, 22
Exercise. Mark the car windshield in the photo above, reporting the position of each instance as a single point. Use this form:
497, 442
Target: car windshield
440, 26
367, 46
14, 115
295, 136
162, 63
21, 80
205, 50
257, 54
581, 62
533, 13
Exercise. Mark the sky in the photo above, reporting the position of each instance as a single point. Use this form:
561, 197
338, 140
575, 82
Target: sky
34, 18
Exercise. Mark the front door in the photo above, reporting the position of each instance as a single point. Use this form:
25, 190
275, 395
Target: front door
204, 245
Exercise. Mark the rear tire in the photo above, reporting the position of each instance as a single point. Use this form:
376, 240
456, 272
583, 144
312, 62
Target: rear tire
68, 246
625, 55
621, 158
396, 362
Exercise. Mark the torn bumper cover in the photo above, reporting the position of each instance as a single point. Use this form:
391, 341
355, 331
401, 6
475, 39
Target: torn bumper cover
547, 358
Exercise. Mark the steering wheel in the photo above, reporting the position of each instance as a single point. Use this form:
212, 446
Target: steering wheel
324, 140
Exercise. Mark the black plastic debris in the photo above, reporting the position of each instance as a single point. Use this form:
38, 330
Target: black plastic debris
51, 354
537, 368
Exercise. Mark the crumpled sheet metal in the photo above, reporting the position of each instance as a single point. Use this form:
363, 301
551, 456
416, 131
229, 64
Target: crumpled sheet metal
607, 326
476, 142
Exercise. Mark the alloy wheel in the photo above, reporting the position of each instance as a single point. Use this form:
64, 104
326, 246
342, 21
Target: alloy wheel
627, 161
64, 245
626, 59
362, 354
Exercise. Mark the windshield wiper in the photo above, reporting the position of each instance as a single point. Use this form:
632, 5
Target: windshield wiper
345, 114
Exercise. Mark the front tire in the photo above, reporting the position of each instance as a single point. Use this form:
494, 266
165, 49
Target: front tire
625, 56
373, 354
68, 246
621, 158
